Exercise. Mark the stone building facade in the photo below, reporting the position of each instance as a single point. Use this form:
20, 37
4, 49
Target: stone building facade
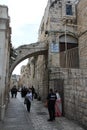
14, 81
5, 36
35, 74
63, 28
59, 32
72, 85
24, 76
57, 28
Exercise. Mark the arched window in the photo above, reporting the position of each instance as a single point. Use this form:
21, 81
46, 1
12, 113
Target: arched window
70, 41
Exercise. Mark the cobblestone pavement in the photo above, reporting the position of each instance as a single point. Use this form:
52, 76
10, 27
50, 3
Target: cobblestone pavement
17, 118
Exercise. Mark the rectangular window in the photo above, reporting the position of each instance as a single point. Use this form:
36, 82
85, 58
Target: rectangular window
68, 9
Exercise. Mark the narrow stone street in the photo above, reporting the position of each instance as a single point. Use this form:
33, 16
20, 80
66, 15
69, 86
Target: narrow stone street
17, 118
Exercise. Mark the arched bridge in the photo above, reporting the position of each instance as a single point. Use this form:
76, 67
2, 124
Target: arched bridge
26, 51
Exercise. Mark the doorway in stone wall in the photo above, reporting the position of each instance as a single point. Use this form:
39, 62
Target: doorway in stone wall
58, 84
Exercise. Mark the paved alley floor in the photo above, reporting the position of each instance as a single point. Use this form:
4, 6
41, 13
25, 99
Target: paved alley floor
17, 118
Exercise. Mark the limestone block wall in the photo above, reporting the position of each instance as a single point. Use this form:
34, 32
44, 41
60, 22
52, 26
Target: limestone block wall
83, 50
82, 32
4, 54
41, 76
75, 92
36, 73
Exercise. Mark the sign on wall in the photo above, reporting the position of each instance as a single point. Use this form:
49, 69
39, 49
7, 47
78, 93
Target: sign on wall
54, 47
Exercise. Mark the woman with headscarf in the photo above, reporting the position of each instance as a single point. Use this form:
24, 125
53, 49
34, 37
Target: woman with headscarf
58, 105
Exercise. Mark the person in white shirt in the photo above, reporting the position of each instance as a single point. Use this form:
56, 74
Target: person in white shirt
58, 105
28, 98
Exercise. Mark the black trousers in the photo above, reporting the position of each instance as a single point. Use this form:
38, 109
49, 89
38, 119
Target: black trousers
28, 105
51, 109
14, 94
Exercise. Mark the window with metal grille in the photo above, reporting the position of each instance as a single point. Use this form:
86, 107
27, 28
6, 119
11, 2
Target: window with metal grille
68, 9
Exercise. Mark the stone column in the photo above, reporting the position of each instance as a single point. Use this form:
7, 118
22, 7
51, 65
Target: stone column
4, 26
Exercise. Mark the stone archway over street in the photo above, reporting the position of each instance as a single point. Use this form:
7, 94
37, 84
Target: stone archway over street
26, 51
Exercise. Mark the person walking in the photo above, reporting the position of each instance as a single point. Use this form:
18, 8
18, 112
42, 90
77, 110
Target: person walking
28, 99
14, 91
51, 99
58, 105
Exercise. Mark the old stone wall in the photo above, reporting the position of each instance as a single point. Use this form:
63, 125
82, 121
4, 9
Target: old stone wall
75, 92
5, 52
82, 32
36, 73
41, 76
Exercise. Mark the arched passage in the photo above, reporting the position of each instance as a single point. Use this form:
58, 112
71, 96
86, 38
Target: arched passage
26, 51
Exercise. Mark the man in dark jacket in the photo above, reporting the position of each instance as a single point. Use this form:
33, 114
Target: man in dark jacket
14, 91
51, 105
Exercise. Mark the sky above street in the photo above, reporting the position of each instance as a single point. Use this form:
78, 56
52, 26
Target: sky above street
25, 19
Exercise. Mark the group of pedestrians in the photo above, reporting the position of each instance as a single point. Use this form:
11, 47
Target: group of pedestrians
26, 93
54, 105
53, 100
29, 97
